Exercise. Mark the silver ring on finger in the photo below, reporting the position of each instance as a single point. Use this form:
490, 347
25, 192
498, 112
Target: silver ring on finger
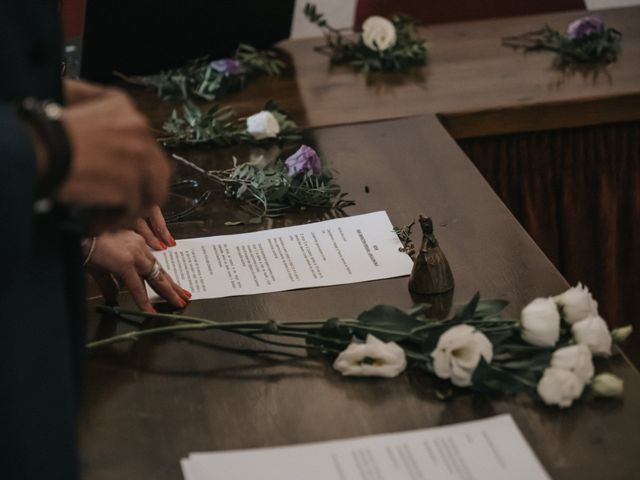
155, 271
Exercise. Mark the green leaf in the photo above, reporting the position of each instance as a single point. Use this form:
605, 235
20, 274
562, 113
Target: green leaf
489, 307
487, 378
466, 312
388, 316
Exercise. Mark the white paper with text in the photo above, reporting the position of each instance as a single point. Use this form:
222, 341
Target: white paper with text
332, 252
491, 449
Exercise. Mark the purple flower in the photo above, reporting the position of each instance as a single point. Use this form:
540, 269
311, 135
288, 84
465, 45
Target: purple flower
304, 160
585, 26
229, 66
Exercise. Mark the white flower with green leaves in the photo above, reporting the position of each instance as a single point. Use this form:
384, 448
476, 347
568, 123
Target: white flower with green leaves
458, 353
374, 358
378, 33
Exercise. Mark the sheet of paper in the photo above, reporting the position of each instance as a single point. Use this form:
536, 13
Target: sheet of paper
491, 449
333, 252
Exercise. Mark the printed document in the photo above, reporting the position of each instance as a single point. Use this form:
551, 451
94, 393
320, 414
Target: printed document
491, 449
332, 252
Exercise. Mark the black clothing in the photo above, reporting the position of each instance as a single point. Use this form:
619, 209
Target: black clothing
41, 285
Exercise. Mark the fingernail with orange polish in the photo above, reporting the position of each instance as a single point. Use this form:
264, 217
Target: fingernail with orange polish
173, 242
163, 246
187, 293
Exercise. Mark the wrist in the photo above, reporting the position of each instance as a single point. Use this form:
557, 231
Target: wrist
51, 144
88, 245
40, 150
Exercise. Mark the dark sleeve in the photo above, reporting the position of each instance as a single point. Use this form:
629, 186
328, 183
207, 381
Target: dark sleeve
17, 189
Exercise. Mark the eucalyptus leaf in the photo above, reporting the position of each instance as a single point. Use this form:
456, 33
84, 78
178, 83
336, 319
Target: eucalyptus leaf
199, 78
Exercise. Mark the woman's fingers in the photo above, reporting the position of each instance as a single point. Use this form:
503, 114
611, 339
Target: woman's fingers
107, 284
164, 286
185, 294
159, 226
134, 283
142, 228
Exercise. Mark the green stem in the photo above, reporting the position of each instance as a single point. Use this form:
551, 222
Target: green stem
135, 335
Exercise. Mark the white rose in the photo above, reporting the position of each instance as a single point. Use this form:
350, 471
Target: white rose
458, 352
378, 33
374, 358
576, 359
594, 333
576, 304
620, 334
263, 125
607, 385
559, 387
540, 322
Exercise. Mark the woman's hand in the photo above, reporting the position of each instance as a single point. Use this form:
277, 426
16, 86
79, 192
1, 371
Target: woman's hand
154, 230
125, 257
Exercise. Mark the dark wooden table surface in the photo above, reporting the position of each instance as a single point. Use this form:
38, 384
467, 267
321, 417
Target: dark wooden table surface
150, 404
477, 86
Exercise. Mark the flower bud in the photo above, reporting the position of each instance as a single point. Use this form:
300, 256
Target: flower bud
620, 334
607, 385
594, 333
576, 304
540, 322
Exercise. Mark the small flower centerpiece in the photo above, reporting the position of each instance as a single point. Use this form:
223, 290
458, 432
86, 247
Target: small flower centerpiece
548, 352
586, 41
209, 80
220, 126
383, 45
273, 187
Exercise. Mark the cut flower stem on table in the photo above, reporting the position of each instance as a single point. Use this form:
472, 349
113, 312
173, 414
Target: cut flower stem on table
476, 348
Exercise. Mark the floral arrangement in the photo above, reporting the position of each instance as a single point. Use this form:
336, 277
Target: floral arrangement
384, 45
211, 79
272, 188
220, 126
546, 353
585, 41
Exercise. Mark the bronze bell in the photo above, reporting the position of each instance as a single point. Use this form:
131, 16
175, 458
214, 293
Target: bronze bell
431, 273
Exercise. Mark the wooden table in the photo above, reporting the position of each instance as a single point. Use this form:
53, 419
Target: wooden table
492, 99
150, 404
476, 86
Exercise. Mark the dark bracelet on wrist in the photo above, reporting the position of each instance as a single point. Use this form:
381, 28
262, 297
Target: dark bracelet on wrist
44, 117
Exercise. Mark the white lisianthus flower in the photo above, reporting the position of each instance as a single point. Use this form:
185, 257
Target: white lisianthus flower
620, 334
607, 385
374, 358
594, 333
458, 352
540, 322
378, 33
576, 359
263, 125
576, 304
559, 387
